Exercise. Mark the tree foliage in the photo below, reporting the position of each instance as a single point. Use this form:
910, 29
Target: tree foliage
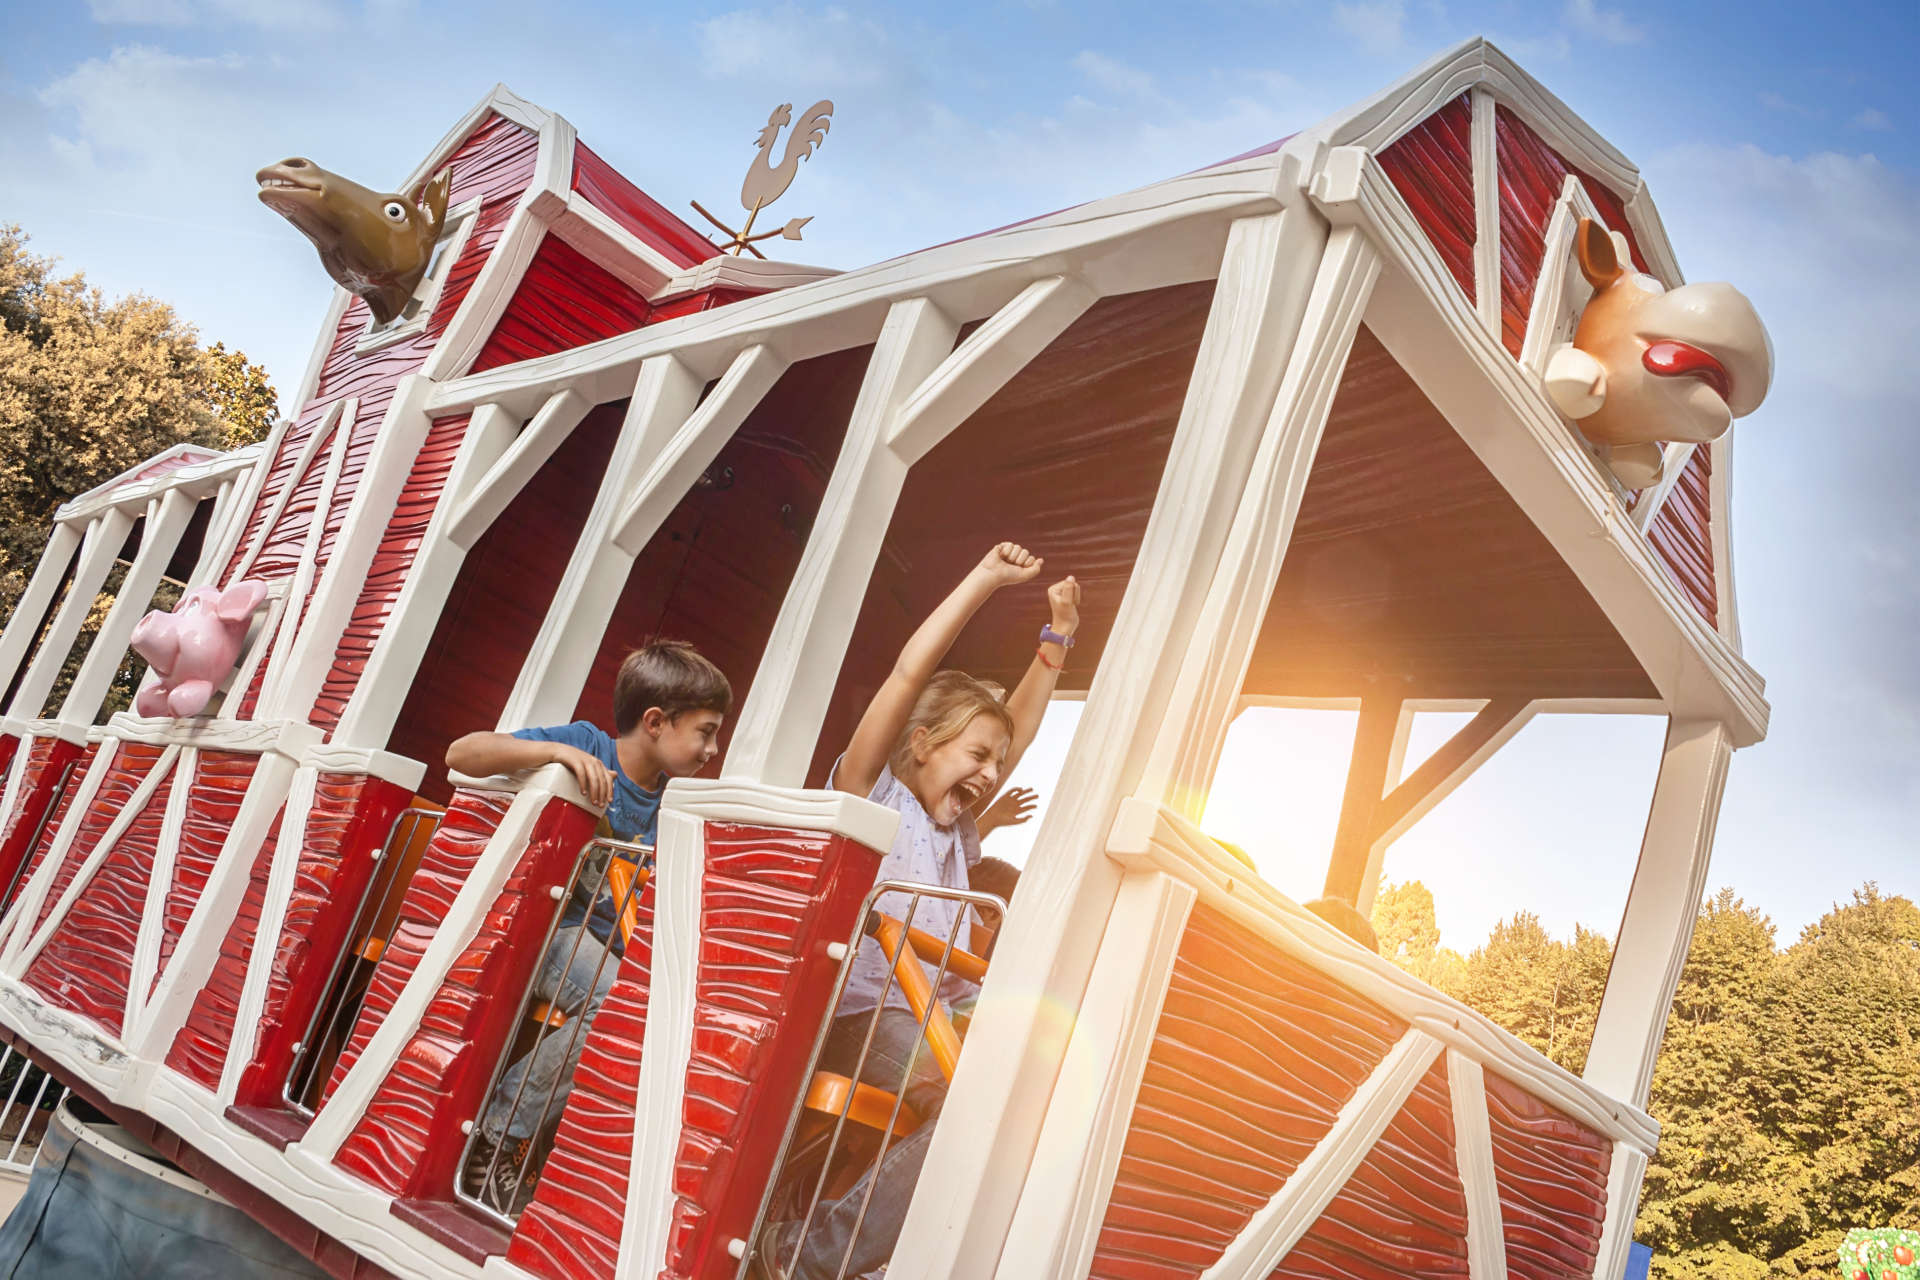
91, 387
1787, 1087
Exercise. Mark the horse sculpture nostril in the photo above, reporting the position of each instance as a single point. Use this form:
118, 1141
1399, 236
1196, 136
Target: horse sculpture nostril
295, 162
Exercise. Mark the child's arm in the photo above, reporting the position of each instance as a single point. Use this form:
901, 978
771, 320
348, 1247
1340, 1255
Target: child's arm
481, 754
887, 714
1029, 701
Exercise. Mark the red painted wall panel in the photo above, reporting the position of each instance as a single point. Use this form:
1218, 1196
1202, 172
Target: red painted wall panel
199, 1049
566, 299
472, 818
1431, 165
1683, 535
131, 763
409, 1140
392, 561
219, 785
1403, 1213
1252, 1059
637, 211
87, 965
48, 833
1552, 1174
771, 901
41, 789
346, 828
571, 1230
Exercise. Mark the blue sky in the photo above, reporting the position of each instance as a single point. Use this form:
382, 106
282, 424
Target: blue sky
1778, 140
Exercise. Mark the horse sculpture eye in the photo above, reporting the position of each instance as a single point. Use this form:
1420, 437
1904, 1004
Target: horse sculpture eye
396, 211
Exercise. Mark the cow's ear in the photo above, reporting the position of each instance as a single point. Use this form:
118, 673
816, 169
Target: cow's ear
431, 199
1595, 250
239, 601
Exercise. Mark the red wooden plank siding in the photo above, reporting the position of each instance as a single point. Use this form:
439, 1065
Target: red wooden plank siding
1682, 533
346, 828
565, 300
472, 818
771, 900
409, 1140
392, 562
571, 1230
87, 965
131, 763
1431, 165
1403, 1212
9, 743
637, 211
219, 785
199, 1049
1552, 1174
36, 855
1253, 1057
47, 760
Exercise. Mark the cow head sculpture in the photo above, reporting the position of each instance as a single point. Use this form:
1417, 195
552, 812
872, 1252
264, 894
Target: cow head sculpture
1649, 364
376, 246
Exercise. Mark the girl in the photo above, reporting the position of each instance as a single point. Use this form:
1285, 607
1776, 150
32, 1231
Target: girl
933, 746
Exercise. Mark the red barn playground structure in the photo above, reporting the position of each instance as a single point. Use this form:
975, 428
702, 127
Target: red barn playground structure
1284, 416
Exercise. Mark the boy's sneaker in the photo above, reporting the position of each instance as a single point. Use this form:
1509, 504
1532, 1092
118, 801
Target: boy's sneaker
493, 1175
771, 1252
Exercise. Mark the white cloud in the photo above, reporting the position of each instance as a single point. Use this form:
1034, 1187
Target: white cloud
270, 15
1872, 118
1609, 25
1377, 26
1114, 76
149, 106
788, 46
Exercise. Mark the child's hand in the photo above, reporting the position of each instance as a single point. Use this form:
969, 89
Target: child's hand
1063, 597
1009, 563
1013, 807
595, 779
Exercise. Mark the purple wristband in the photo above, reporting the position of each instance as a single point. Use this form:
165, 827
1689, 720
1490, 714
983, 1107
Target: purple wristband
1049, 636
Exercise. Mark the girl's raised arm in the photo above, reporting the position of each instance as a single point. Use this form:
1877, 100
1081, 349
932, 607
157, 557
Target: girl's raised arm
1007, 564
1030, 699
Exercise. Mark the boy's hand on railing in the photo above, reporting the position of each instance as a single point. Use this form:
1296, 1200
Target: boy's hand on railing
1063, 597
1008, 564
595, 779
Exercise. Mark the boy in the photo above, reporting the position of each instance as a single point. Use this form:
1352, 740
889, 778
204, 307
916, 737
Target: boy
668, 705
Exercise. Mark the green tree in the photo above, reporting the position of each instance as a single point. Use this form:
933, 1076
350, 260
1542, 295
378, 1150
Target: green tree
1544, 991
1409, 935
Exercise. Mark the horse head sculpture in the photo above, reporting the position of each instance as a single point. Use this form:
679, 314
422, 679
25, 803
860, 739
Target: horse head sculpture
1650, 364
376, 246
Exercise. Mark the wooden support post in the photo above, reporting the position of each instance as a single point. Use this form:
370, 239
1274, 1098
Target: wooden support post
30, 610
97, 552
1373, 741
1661, 909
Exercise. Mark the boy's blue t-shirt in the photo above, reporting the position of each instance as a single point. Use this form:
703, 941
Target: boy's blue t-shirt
633, 815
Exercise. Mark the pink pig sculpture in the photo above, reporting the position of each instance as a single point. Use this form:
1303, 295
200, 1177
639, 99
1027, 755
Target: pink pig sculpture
193, 648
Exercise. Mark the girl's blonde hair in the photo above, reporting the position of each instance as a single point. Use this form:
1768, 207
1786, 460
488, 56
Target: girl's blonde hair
945, 708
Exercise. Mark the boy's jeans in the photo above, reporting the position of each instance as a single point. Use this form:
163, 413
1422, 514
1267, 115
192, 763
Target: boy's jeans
568, 982
893, 1179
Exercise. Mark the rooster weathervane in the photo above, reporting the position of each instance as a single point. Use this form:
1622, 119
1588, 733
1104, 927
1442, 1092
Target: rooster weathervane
767, 182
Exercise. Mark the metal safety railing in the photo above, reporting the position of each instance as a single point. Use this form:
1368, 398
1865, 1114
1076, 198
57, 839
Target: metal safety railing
24, 1124
508, 1143
848, 1118
335, 1015
40, 829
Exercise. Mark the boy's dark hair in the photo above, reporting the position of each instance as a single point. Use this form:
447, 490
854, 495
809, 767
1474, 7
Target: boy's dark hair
993, 875
671, 675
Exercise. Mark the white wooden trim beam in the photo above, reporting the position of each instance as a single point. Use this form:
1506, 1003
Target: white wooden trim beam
1473, 1158
1720, 495
480, 507
1486, 211
1662, 906
1071, 1180
1502, 414
627, 257
978, 1161
21, 959
985, 362
479, 312
1150, 835
153, 922
309, 449
205, 933
1206, 691
104, 538
1624, 1179
166, 522
562, 654
367, 720
197, 470
675, 462
280, 656
780, 724
1279, 1224
1674, 456
30, 610
246, 495
33, 891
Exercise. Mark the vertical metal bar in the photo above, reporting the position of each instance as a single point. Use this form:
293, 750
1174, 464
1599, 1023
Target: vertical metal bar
26, 1121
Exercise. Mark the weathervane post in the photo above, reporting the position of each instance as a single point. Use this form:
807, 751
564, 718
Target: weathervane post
767, 182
